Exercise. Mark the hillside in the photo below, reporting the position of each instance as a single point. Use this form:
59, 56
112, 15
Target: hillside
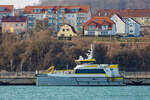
104, 4
39, 50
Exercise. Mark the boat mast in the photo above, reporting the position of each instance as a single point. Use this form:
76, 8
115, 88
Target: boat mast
90, 53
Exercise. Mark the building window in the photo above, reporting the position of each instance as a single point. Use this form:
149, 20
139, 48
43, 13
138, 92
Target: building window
104, 27
131, 31
68, 15
22, 25
104, 33
63, 30
148, 13
67, 29
7, 31
62, 35
5, 25
3, 9
91, 27
105, 14
99, 14
91, 33
131, 25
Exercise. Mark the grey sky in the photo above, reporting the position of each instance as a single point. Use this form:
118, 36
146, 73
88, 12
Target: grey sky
18, 3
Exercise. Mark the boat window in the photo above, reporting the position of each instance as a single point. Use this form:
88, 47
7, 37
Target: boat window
87, 62
90, 71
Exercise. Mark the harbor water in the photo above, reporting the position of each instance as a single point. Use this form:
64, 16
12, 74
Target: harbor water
74, 93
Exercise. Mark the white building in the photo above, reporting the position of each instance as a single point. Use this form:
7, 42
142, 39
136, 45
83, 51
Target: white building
126, 26
97, 26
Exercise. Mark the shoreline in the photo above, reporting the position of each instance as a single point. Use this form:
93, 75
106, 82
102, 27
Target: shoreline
32, 81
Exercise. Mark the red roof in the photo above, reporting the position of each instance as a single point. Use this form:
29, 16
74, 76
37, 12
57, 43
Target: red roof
124, 12
29, 9
9, 8
100, 21
14, 19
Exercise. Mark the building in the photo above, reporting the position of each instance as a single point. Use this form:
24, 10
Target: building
6, 10
126, 26
142, 16
14, 24
66, 31
75, 16
100, 26
120, 24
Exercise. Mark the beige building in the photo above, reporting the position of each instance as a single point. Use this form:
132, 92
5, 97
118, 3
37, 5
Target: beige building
14, 24
66, 31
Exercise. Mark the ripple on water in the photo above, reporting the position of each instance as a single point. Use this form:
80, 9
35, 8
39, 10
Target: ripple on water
74, 93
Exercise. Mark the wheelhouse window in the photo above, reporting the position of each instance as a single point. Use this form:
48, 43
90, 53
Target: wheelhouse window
89, 71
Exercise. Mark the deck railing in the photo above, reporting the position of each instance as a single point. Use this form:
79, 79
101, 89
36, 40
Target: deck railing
32, 74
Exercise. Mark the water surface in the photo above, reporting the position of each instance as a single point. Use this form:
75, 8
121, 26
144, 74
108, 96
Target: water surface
74, 93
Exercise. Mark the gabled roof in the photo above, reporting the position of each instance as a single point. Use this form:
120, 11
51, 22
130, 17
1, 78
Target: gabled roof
117, 15
126, 20
124, 12
99, 21
14, 19
8, 8
69, 26
29, 9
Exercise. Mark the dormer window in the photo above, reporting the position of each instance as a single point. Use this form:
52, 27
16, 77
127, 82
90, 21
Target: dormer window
105, 14
37, 10
91, 27
104, 27
75, 9
99, 14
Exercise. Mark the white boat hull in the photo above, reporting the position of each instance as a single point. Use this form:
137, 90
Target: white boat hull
77, 80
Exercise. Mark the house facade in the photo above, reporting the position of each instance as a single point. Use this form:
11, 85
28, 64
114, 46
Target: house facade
75, 16
97, 26
14, 24
66, 31
6, 10
126, 26
120, 24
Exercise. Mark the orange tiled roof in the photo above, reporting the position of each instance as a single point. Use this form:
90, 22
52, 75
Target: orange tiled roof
29, 9
100, 21
9, 8
125, 12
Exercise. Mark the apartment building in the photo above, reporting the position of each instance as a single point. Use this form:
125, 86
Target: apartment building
75, 16
6, 10
14, 24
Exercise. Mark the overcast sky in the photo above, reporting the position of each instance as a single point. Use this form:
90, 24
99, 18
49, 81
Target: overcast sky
18, 3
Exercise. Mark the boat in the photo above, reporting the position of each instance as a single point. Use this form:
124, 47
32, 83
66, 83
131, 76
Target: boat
86, 73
